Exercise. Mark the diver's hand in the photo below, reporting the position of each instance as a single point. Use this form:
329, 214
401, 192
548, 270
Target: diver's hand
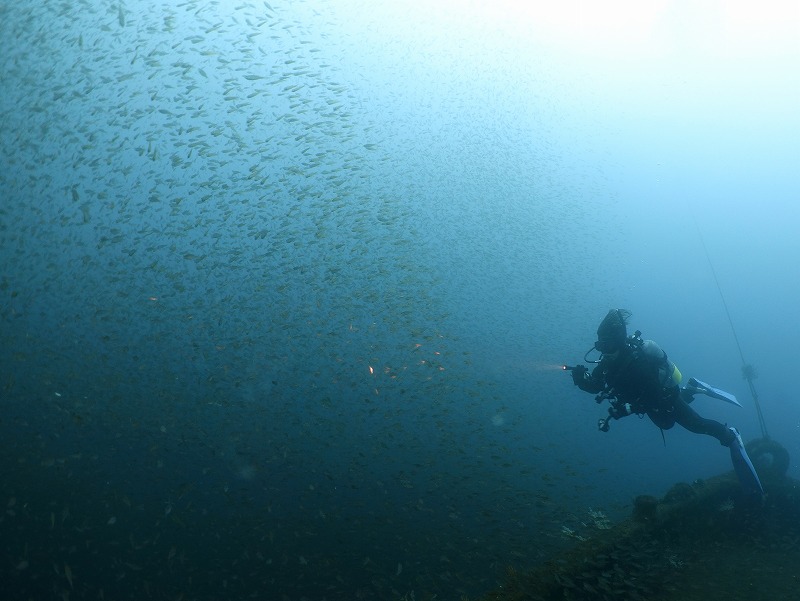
579, 374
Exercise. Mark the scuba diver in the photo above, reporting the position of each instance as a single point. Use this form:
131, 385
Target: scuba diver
637, 377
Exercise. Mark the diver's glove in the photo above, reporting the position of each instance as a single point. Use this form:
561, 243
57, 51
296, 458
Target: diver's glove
579, 374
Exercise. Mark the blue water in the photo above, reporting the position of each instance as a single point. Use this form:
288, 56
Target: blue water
286, 288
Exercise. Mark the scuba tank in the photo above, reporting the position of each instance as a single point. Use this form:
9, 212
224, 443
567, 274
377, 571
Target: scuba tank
669, 375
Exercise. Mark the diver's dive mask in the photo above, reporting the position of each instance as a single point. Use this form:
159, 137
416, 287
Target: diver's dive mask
609, 345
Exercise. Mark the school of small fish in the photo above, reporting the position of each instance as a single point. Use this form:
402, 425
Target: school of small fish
244, 303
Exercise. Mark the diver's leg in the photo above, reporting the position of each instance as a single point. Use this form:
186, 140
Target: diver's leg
691, 420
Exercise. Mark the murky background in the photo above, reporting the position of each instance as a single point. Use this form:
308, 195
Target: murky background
286, 287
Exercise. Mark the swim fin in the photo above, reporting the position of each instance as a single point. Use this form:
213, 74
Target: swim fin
694, 386
744, 467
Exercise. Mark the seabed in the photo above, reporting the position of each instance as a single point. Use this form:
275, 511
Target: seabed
701, 541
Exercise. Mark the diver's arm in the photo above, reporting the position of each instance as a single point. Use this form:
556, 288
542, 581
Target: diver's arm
593, 383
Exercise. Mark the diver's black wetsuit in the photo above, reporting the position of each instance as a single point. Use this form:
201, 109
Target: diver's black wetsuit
642, 375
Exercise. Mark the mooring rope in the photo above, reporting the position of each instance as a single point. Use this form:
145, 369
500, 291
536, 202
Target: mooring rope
748, 371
